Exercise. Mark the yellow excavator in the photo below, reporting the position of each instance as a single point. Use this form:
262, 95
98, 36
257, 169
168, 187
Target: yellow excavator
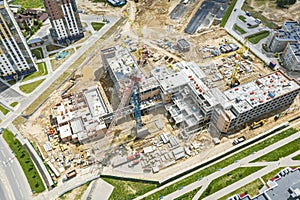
258, 124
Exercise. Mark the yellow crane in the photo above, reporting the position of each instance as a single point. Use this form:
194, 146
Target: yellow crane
136, 26
234, 80
244, 50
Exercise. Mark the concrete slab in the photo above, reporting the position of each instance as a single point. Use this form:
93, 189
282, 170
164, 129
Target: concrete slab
99, 189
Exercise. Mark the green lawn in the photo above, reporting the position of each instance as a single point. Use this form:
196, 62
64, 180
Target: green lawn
128, 189
28, 88
28, 3
42, 71
251, 188
255, 38
227, 13
258, 15
189, 195
239, 29
25, 161
271, 174
242, 18
223, 163
296, 157
38, 52
281, 152
79, 192
97, 25
4, 110
255, 26
13, 104
53, 47
228, 179
11, 82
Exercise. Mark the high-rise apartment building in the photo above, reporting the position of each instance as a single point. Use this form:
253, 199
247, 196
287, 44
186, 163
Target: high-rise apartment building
64, 17
15, 57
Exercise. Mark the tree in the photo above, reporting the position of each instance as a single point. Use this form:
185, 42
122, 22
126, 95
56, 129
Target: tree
281, 3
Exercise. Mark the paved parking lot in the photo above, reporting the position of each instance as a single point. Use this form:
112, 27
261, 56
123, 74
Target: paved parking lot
8, 95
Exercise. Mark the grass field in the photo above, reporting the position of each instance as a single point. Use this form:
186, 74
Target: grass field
255, 26
97, 25
4, 110
52, 47
242, 18
271, 174
239, 29
281, 152
38, 52
25, 161
255, 38
128, 189
42, 71
228, 179
189, 195
227, 13
11, 82
258, 15
28, 88
13, 104
251, 188
79, 192
28, 3
223, 163
296, 157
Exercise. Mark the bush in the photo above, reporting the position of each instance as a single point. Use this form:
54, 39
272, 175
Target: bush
283, 3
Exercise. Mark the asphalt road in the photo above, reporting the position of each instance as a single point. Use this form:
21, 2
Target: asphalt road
13, 181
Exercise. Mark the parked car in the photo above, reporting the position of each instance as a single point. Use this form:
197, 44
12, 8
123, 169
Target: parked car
239, 140
1, 130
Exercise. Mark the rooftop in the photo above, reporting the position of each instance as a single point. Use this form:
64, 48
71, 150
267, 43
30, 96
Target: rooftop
289, 32
120, 62
252, 94
296, 49
95, 102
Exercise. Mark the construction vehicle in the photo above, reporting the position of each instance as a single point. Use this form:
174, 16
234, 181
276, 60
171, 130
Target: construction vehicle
238, 140
70, 175
176, 69
258, 124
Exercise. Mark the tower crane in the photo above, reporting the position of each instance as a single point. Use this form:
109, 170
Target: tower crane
244, 50
234, 80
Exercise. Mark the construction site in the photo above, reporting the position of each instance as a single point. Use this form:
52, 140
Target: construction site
154, 97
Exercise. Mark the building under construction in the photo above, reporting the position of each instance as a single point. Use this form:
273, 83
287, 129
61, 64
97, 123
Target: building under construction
182, 89
79, 117
250, 101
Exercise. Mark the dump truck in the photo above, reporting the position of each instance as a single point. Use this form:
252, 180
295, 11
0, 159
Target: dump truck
70, 175
258, 124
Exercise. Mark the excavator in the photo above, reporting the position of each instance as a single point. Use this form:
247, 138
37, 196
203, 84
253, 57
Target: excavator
258, 124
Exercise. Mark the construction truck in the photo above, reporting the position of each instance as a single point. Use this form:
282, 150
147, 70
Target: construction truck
69, 175
258, 124
238, 140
